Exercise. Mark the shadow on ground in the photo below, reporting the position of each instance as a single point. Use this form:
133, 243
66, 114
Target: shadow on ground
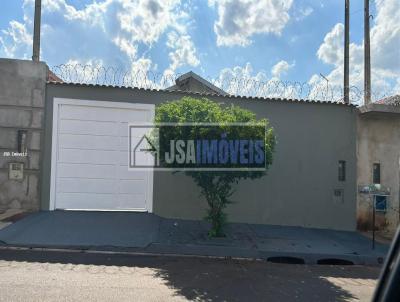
206, 279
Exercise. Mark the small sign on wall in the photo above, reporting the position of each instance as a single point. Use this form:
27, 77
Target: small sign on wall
338, 196
16, 171
380, 203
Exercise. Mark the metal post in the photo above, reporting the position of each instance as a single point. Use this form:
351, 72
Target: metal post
346, 86
36, 31
367, 56
373, 221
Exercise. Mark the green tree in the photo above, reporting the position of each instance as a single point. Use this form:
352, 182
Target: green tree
216, 186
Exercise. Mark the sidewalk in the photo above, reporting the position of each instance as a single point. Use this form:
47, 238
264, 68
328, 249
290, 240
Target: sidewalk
148, 233
269, 241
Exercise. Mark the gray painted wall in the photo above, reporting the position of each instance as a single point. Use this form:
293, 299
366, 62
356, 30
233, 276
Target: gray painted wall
299, 187
22, 87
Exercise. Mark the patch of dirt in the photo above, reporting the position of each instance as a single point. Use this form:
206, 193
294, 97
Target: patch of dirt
16, 217
380, 237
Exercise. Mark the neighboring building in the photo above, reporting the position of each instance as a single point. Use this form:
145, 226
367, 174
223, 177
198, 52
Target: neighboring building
52, 77
192, 82
22, 98
378, 161
393, 100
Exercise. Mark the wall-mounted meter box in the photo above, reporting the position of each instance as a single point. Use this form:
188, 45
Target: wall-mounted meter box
338, 196
16, 171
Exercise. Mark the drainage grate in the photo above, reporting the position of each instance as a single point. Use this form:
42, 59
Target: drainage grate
287, 260
334, 261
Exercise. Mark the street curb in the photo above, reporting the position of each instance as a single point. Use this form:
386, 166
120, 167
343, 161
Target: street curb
213, 252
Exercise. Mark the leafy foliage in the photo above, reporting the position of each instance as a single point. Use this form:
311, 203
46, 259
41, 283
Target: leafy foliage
216, 186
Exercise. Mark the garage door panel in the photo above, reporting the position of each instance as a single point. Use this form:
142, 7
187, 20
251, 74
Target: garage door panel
93, 155
123, 143
132, 186
100, 157
129, 116
88, 127
142, 159
89, 142
133, 201
109, 114
90, 201
87, 113
86, 171
137, 130
126, 174
85, 201
122, 158
86, 185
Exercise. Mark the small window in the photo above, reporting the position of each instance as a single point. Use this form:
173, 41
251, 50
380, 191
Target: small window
376, 173
342, 170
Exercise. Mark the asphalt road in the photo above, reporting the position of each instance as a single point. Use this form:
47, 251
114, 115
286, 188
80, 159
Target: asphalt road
59, 276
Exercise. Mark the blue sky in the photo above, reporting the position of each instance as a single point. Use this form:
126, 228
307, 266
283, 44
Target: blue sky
259, 39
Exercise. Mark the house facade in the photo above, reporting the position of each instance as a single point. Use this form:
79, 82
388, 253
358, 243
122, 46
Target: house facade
312, 181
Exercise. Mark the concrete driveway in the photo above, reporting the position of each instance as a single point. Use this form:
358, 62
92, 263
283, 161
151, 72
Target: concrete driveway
83, 229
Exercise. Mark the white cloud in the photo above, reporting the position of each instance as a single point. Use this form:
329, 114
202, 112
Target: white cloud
303, 13
306, 11
146, 20
331, 50
128, 47
239, 72
184, 51
396, 88
117, 32
239, 80
281, 68
142, 20
385, 38
239, 20
385, 53
16, 39
244, 81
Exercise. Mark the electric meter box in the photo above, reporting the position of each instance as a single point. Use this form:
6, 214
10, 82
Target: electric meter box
16, 171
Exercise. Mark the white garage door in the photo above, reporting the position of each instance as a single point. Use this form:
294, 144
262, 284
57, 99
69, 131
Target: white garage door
90, 157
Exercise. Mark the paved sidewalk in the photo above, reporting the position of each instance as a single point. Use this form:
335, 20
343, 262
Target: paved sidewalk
143, 232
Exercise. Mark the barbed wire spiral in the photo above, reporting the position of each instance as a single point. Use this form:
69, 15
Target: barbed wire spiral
233, 85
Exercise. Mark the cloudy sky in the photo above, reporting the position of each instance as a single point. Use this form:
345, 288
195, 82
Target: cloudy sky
261, 39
